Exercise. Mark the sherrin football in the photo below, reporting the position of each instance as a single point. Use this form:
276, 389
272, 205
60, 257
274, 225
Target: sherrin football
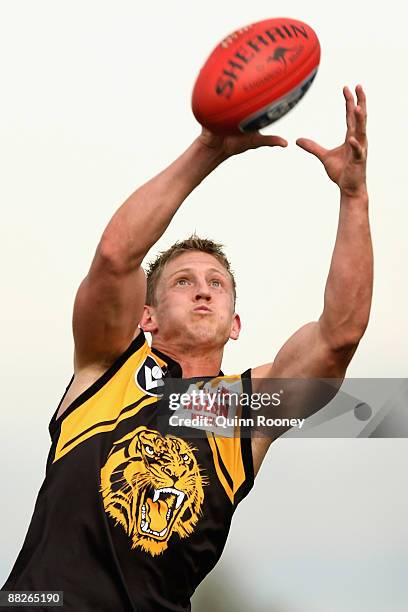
256, 75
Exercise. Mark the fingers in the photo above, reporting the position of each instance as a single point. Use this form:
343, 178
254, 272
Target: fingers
356, 115
361, 123
350, 108
311, 147
357, 149
361, 113
270, 141
361, 98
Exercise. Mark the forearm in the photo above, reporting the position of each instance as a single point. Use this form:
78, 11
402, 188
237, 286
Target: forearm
348, 292
141, 220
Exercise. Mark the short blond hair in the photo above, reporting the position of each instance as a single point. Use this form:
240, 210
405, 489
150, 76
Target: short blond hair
193, 243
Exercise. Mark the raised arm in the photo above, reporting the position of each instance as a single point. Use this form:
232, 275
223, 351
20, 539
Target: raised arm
110, 300
324, 348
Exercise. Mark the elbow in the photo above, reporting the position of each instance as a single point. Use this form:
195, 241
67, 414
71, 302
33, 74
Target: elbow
350, 338
344, 339
106, 257
114, 258
341, 350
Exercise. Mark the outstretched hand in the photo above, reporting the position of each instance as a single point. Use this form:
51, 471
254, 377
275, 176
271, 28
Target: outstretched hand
346, 164
233, 144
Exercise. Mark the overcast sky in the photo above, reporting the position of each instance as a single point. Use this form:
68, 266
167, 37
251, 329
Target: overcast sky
95, 101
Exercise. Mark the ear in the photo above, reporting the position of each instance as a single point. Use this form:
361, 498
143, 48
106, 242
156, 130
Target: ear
235, 327
148, 320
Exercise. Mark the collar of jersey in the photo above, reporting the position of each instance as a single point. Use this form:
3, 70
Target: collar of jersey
173, 368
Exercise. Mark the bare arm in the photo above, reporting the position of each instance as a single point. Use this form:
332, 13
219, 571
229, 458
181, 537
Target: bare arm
110, 299
324, 348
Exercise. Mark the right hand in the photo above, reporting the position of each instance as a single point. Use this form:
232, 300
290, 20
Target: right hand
346, 165
227, 145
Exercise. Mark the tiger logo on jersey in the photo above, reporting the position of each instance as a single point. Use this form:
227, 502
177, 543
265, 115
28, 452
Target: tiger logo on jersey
152, 486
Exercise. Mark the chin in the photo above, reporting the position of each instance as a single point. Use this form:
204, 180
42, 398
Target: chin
206, 335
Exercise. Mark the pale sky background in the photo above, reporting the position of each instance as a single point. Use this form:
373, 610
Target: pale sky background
95, 100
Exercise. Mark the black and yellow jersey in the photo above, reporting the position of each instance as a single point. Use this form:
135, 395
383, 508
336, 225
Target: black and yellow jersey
132, 513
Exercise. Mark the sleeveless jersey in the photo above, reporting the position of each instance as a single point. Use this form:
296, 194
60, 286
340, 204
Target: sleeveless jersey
132, 513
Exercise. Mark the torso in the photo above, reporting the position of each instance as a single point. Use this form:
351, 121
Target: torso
114, 457
84, 379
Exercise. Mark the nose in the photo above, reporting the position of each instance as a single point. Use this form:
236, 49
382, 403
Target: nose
202, 291
203, 294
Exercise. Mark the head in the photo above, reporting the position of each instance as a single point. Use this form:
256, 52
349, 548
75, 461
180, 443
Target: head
191, 296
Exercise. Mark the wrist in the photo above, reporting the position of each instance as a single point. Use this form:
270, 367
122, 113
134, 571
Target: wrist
190, 168
197, 162
360, 194
209, 152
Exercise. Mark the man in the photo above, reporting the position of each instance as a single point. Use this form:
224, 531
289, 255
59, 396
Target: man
132, 515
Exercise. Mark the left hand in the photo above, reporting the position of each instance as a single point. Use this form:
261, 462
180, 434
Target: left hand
227, 145
346, 164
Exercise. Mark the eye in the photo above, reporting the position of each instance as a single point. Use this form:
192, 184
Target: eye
149, 450
185, 457
182, 281
216, 283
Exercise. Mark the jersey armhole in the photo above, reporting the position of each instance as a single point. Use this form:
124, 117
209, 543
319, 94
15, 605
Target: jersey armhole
246, 442
134, 346
51, 426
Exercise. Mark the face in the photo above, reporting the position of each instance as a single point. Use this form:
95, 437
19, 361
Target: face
194, 303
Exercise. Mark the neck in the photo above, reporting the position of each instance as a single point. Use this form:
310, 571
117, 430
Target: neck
193, 361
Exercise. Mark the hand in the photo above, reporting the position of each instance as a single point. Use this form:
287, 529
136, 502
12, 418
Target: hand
227, 145
346, 165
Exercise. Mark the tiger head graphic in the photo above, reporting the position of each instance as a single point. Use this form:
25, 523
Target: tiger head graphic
152, 486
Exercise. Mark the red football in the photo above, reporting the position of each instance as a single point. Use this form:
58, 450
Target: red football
256, 75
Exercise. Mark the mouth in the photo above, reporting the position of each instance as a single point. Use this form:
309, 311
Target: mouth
202, 309
159, 510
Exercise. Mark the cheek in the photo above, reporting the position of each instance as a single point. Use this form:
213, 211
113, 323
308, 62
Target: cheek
171, 304
224, 317
227, 307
